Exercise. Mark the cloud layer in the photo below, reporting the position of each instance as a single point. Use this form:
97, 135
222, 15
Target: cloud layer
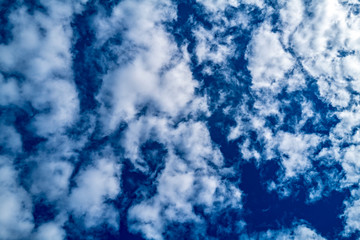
157, 119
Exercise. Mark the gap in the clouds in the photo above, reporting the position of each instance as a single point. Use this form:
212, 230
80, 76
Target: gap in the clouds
85, 158
266, 210
292, 111
34, 6
185, 9
108, 5
227, 224
23, 118
124, 232
324, 110
137, 185
6, 6
189, 15
186, 230
219, 125
76, 231
86, 73
154, 154
43, 211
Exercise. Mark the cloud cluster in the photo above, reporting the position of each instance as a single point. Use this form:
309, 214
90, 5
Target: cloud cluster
300, 231
182, 98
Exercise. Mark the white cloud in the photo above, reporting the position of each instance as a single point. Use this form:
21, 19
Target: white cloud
349, 65
146, 218
298, 232
181, 188
49, 52
158, 73
50, 231
58, 95
291, 15
351, 214
191, 138
259, 3
194, 140
268, 61
39, 59
295, 151
51, 178
95, 185
10, 139
296, 81
219, 5
349, 119
16, 220
187, 180
9, 91
45, 39
318, 40
351, 165
158, 79
210, 48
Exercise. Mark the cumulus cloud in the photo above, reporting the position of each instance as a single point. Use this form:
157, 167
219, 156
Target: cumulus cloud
10, 139
95, 186
268, 61
158, 73
187, 180
296, 150
351, 214
46, 40
52, 179
182, 108
300, 231
16, 220
36, 81
319, 41
181, 189
50, 231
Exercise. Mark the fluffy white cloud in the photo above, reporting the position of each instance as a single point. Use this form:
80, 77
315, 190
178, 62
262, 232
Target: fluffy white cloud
39, 59
351, 214
295, 151
16, 220
350, 164
300, 231
187, 180
219, 5
158, 73
51, 178
150, 86
259, 3
318, 40
46, 40
95, 185
268, 61
349, 119
51, 231
180, 189
291, 15
58, 95
9, 91
10, 139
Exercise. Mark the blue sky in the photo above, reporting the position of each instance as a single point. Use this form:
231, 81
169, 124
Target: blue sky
160, 119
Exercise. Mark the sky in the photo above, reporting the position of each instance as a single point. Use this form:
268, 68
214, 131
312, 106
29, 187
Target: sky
164, 119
